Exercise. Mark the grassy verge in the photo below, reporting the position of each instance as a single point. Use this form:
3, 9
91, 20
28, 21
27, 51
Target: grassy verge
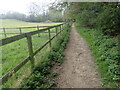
41, 76
106, 51
14, 53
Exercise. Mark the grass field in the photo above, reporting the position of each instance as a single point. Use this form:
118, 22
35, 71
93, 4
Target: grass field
11, 23
14, 53
7, 23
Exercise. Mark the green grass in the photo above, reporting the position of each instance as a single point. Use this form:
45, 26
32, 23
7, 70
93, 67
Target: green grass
11, 23
15, 52
42, 77
105, 50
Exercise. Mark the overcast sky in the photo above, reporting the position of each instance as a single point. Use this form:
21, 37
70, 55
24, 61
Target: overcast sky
20, 5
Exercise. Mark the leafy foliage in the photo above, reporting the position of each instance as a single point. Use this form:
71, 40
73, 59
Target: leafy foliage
106, 51
104, 16
40, 77
108, 19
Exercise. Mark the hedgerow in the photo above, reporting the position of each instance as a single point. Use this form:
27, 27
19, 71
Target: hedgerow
106, 51
104, 16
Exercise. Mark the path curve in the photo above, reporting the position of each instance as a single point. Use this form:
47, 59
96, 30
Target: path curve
78, 69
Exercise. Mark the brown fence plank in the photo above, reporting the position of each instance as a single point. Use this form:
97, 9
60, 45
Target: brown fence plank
14, 70
20, 31
38, 29
18, 37
44, 44
10, 33
28, 27
56, 30
49, 37
4, 32
30, 49
41, 47
11, 39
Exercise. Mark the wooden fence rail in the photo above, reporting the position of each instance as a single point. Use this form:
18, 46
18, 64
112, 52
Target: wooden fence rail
30, 47
24, 32
25, 27
20, 29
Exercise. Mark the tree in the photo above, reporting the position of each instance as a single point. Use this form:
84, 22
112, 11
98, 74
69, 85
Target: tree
104, 15
13, 15
33, 11
55, 14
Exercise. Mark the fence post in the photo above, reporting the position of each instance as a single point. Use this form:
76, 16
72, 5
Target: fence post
4, 32
56, 31
60, 29
20, 31
38, 29
49, 37
30, 48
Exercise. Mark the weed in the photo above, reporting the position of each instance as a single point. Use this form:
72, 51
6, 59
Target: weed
39, 77
105, 49
54, 73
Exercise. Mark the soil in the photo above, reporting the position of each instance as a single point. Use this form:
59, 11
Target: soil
78, 69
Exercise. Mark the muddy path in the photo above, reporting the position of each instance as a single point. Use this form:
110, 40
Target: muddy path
78, 69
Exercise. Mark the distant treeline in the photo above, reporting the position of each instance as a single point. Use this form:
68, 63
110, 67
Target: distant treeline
52, 14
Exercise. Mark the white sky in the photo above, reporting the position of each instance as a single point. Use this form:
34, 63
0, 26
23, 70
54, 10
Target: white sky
23, 5
19, 5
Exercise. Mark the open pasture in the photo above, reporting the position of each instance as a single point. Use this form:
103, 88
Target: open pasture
19, 25
11, 23
15, 52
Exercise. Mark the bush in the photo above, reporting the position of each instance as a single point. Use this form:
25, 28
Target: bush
86, 18
103, 16
108, 19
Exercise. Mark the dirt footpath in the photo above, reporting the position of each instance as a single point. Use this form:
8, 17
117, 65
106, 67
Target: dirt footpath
78, 69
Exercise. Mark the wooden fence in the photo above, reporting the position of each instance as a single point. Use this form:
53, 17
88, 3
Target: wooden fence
20, 29
30, 47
